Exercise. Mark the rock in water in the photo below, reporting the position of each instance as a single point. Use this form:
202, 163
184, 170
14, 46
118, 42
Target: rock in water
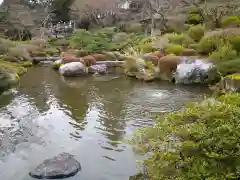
194, 71
72, 69
100, 69
61, 166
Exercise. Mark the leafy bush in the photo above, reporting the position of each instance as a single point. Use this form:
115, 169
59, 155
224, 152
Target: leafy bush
198, 142
91, 42
212, 39
194, 19
174, 49
145, 48
181, 39
231, 21
229, 67
235, 42
223, 53
196, 32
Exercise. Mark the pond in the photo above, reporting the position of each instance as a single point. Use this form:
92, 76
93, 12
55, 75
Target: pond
88, 117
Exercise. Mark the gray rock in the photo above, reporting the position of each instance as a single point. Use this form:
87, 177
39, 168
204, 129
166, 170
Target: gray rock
100, 69
72, 69
194, 71
61, 166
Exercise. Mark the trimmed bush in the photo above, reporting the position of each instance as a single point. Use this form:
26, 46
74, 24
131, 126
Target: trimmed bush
174, 49
196, 32
199, 142
81, 53
235, 42
181, 39
194, 19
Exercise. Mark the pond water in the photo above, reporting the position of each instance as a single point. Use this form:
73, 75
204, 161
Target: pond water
87, 117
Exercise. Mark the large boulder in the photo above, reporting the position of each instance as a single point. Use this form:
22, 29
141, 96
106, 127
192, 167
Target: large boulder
98, 68
7, 79
195, 71
61, 166
73, 69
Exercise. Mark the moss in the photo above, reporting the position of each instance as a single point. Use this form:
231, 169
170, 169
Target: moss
15, 68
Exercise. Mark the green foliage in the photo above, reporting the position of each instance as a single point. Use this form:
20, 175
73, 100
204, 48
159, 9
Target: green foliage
196, 32
179, 38
91, 42
198, 142
61, 9
235, 42
212, 39
229, 67
231, 21
223, 53
194, 19
174, 49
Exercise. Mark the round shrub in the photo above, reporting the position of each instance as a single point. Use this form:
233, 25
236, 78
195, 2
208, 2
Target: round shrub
235, 42
145, 48
196, 32
174, 49
194, 19
231, 21
179, 38
81, 53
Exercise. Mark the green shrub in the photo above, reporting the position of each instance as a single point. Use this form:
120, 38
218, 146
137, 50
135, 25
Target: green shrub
198, 142
223, 53
174, 49
145, 48
212, 39
231, 21
194, 19
181, 39
91, 42
196, 32
235, 42
229, 67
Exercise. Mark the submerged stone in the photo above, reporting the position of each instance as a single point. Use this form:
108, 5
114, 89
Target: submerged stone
61, 166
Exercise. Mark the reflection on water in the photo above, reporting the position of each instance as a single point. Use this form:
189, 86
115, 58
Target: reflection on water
87, 117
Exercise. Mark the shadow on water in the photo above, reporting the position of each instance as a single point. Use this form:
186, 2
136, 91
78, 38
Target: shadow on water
87, 117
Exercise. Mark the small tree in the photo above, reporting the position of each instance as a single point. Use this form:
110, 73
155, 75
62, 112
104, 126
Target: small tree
212, 12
